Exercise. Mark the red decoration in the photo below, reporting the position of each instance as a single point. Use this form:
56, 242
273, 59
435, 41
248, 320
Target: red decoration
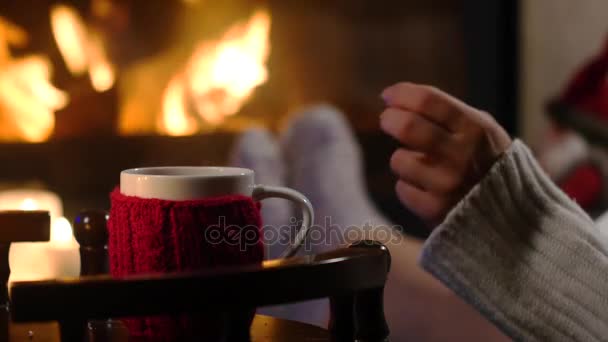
151, 236
588, 90
584, 185
587, 94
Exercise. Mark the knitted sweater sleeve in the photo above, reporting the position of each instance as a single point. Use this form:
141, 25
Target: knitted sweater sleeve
524, 255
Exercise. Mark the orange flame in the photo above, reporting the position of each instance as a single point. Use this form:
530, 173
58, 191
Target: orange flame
70, 34
28, 100
101, 71
176, 120
82, 51
219, 77
10, 34
27, 97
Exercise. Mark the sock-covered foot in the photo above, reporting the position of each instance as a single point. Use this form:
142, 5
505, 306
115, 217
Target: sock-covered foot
325, 164
258, 150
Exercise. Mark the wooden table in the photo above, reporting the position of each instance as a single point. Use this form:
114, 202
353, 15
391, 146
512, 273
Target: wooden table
263, 329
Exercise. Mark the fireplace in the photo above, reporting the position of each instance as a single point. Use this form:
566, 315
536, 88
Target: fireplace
138, 83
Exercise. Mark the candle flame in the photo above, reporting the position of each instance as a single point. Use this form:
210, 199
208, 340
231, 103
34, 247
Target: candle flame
42, 260
61, 229
61, 232
28, 204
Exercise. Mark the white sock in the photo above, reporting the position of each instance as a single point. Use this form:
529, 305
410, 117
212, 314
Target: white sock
258, 150
325, 164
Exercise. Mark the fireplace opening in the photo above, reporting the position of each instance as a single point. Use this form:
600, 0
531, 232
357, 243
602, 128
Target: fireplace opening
91, 87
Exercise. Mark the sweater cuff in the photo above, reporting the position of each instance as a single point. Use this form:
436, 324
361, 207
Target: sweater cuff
517, 249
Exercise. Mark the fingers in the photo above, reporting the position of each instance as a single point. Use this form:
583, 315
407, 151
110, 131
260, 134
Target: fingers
413, 130
437, 106
448, 147
425, 173
429, 207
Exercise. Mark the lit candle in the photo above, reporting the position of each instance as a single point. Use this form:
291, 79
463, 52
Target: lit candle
42, 260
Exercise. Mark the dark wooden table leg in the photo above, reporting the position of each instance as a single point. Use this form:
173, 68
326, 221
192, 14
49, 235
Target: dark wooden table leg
370, 322
4, 322
5, 272
341, 322
238, 325
72, 330
369, 316
90, 230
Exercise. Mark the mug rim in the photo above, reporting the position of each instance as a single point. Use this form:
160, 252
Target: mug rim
155, 172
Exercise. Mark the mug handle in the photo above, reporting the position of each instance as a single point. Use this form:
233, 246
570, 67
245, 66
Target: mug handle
261, 192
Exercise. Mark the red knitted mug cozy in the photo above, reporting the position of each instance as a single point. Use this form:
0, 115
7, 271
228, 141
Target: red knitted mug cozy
158, 236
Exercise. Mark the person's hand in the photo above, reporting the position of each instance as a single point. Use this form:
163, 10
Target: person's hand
448, 147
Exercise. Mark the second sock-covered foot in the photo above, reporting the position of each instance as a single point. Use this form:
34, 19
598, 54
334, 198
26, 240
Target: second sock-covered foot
258, 150
325, 164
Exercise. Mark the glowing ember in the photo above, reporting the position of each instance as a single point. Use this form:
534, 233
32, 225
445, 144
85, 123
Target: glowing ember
28, 100
220, 76
82, 51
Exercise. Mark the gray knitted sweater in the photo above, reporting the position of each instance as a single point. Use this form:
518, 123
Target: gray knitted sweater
525, 255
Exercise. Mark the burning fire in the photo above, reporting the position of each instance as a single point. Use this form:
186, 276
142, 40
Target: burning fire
212, 83
175, 118
219, 77
70, 34
82, 50
28, 100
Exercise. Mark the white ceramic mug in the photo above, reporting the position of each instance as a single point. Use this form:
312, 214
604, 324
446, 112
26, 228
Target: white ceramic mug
180, 183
